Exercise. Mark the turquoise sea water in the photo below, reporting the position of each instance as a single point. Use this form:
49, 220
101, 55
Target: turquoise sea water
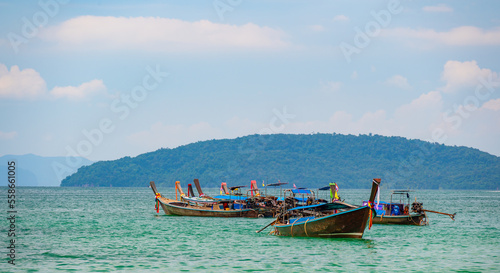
117, 229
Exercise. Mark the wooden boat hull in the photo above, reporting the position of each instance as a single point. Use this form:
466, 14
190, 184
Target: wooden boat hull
164, 201
416, 219
172, 207
346, 224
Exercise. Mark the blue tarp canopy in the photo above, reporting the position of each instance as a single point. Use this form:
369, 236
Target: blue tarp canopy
300, 199
396, 208
324, 206
365, 203
301, 191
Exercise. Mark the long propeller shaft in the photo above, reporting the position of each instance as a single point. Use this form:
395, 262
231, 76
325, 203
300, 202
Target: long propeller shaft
452, 216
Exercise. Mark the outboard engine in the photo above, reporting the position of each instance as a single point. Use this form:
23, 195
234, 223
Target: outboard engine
289, 202
417, 207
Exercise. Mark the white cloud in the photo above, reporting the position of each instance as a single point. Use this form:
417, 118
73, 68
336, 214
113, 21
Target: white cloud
464, 75
424, 116
317, 28
437, 8
341, 18
374, 122
79, 92
479, 129
20, 84
161, 34
431, 112
330, 87
398, 81
354, 75
414, 120
28, 84
419, 118
7, 135
420, 114
427, 101
493, 105
460, 36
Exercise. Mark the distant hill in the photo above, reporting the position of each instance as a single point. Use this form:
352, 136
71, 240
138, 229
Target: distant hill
34, 170
304, 160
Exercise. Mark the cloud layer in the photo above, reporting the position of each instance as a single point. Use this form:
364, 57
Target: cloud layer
7, 135
460, 36
437, 8
399, 82
161, 34
419, 118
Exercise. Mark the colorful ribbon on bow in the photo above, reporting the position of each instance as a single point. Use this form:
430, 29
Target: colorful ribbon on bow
370, 205
157, 204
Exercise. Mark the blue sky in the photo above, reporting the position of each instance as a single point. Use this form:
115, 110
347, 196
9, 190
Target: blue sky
107, 79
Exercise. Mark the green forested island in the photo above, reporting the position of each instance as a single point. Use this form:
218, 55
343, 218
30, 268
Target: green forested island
304, 160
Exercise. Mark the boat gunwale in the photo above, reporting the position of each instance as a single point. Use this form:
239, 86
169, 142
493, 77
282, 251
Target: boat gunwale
194, 209
401, 216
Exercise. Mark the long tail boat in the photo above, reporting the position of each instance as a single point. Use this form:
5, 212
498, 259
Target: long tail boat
218, 209
399, 212
331, 220
265, 205
190, 198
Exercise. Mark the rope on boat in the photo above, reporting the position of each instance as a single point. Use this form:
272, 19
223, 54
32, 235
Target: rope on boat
424, 222
410, 218
305, 227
